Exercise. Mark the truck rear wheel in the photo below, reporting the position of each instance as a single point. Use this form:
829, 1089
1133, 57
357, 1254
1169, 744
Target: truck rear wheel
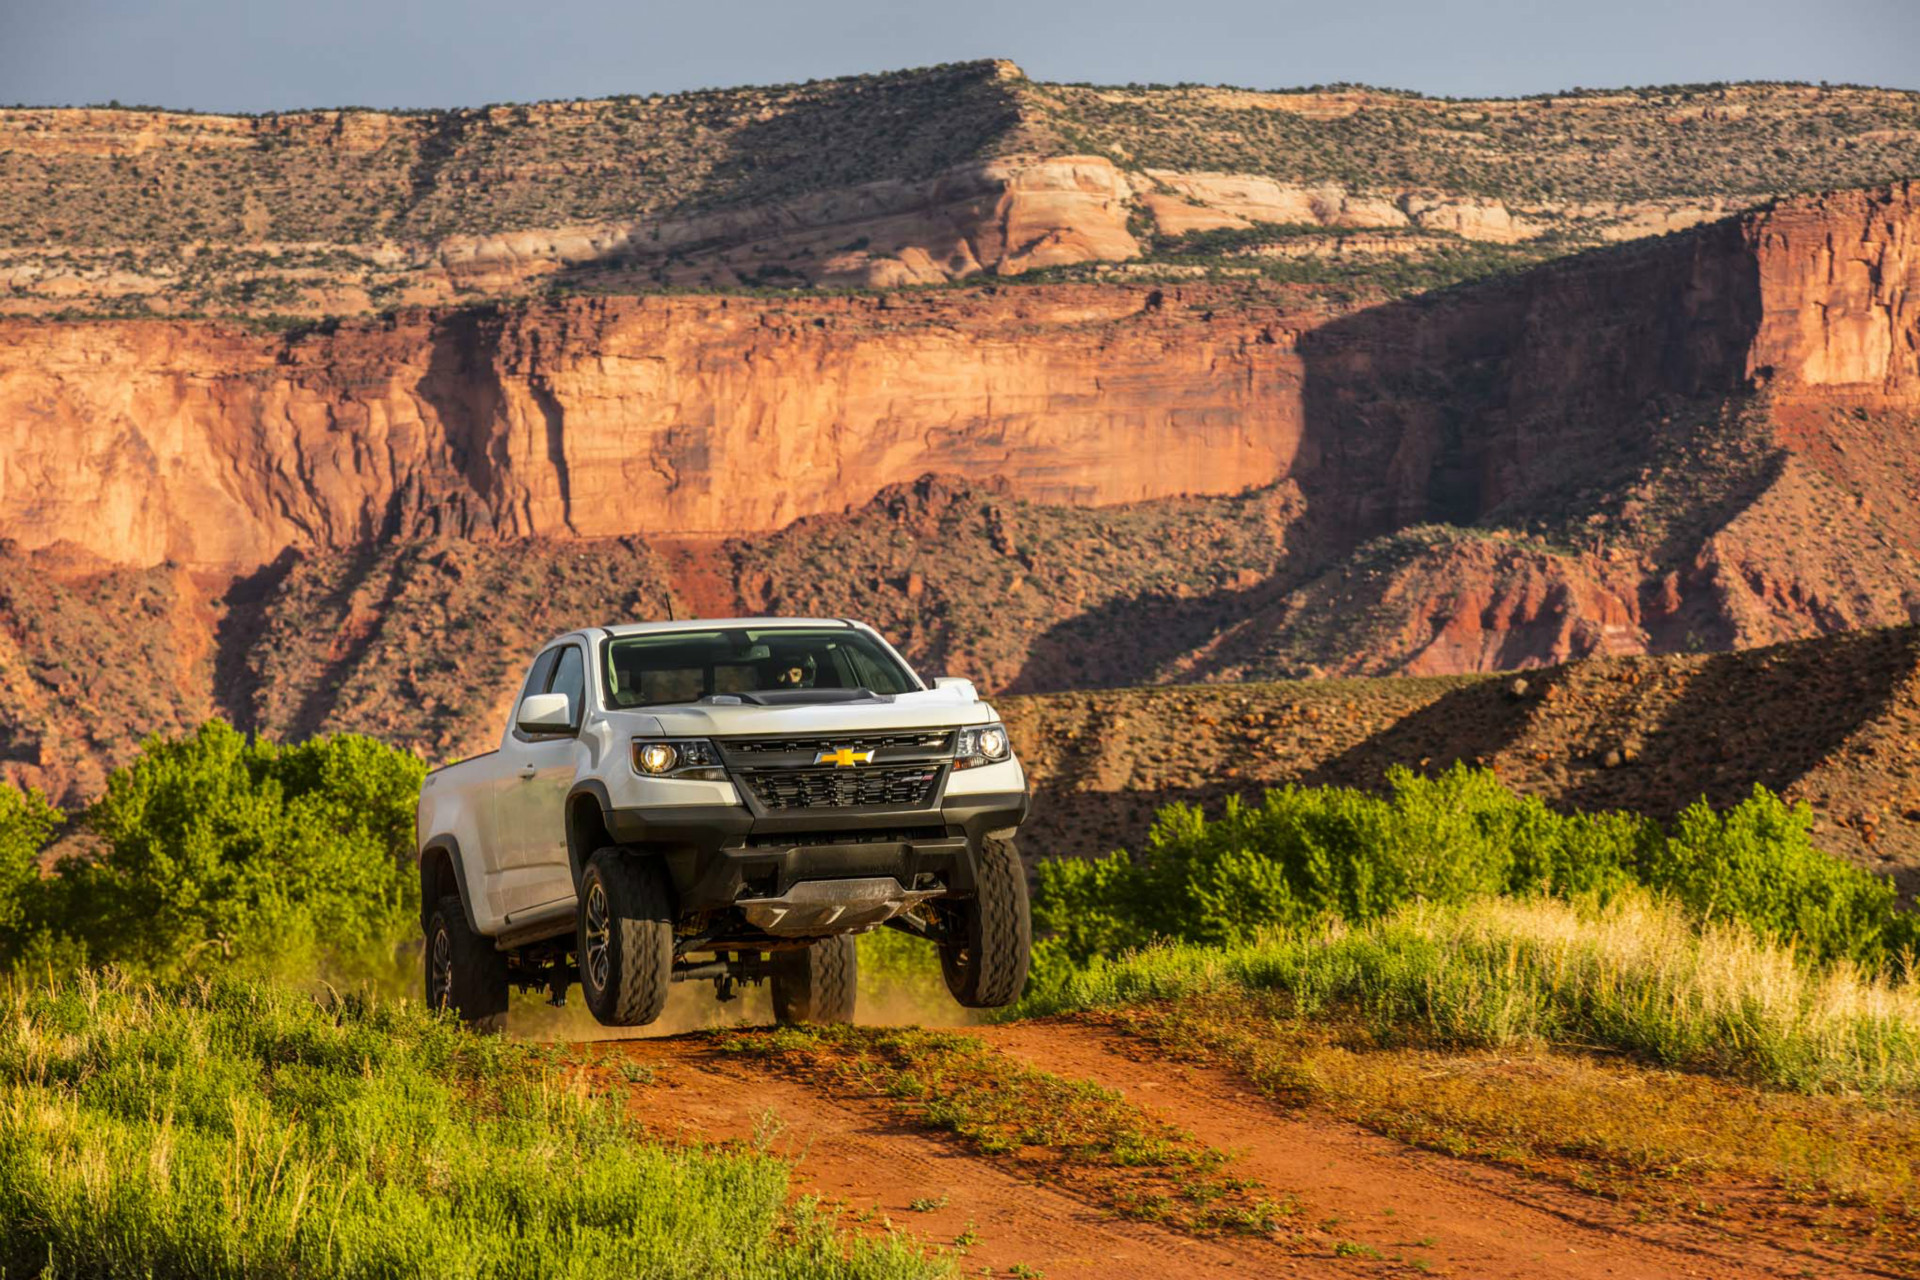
819, 984
625, 946
464, 973
990, 935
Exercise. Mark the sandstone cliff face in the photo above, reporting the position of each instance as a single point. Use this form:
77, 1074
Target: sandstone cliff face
1840, 293
150, 441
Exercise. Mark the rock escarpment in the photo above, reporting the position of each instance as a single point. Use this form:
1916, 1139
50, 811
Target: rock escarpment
205, 444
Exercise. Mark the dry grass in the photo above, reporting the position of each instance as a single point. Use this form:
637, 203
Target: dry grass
1633, 976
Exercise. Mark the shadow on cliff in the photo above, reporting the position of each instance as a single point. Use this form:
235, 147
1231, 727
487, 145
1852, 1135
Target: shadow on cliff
242, 625
1460, 405
1516, 399
1768, 716
462, 386
1470, 725
1132, 640
901, 127
333, 636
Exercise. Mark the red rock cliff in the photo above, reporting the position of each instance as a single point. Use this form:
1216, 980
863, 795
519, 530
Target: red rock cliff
147, 441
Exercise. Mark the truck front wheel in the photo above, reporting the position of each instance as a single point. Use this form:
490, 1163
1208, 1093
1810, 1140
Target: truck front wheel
464, 972
985, 954
818, 984
625, 946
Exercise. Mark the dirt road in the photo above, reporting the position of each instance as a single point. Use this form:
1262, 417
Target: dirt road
1363, 1204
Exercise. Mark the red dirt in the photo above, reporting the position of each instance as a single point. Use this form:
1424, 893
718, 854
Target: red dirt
1457, 1217
701, 572
863, 1158
1484, 1221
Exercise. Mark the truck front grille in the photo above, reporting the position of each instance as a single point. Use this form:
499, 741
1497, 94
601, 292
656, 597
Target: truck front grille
910, 743
909, 787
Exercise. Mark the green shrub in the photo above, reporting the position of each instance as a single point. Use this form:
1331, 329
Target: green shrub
1307, 853
1757, 864
220, 1129
27, 821
217, 851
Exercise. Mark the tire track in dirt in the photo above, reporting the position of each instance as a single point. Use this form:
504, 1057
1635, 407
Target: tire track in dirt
1477, 1219
859, 1154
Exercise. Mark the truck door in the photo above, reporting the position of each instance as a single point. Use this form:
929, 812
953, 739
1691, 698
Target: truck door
533, 820
492, 779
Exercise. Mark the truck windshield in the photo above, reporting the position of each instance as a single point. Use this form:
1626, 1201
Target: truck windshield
686, 666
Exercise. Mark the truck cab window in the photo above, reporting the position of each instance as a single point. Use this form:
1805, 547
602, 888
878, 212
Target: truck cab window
570, 678
537, 677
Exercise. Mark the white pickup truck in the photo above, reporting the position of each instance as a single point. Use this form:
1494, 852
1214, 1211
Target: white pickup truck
731, 800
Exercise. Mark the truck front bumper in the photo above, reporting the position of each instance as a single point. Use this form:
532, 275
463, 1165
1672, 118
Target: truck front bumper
723, 855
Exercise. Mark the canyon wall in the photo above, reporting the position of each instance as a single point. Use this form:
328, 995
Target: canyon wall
149, 441
209, 444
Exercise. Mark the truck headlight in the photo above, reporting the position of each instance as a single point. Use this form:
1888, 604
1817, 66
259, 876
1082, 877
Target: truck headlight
693, 758
981, 744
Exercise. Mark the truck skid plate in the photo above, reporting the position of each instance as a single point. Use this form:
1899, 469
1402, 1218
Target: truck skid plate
816, 907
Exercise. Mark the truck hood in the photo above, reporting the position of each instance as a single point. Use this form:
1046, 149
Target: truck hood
922, 709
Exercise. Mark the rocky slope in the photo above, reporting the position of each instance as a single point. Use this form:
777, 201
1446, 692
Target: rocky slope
1834, 722
915, 177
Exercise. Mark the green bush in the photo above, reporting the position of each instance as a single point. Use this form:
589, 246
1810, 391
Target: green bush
217, 851
1308, 853
220, 1129
1757, 864
27, 821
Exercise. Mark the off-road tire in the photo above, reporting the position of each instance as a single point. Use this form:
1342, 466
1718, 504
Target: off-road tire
625, 942
989, 936
463, 971
819, 984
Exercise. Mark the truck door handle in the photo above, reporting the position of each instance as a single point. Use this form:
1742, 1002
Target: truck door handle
526, 772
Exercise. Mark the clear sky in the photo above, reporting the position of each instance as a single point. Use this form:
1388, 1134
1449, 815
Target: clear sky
259, 55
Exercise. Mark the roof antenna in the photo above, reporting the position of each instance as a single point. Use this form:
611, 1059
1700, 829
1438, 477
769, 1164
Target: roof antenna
670, 617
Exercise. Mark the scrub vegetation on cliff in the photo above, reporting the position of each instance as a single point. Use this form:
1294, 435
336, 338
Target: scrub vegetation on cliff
1734, 140
877, 180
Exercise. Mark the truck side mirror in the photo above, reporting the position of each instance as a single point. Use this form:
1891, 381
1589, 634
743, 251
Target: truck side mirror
545, 713
955, 682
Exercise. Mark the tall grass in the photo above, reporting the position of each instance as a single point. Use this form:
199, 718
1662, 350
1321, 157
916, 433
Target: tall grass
1634, 973
224, 1129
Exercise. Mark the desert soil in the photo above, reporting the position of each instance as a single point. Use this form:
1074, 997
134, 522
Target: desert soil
1396, 1209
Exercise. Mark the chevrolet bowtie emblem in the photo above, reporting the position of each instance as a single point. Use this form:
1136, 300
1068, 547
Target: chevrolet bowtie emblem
844, 758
